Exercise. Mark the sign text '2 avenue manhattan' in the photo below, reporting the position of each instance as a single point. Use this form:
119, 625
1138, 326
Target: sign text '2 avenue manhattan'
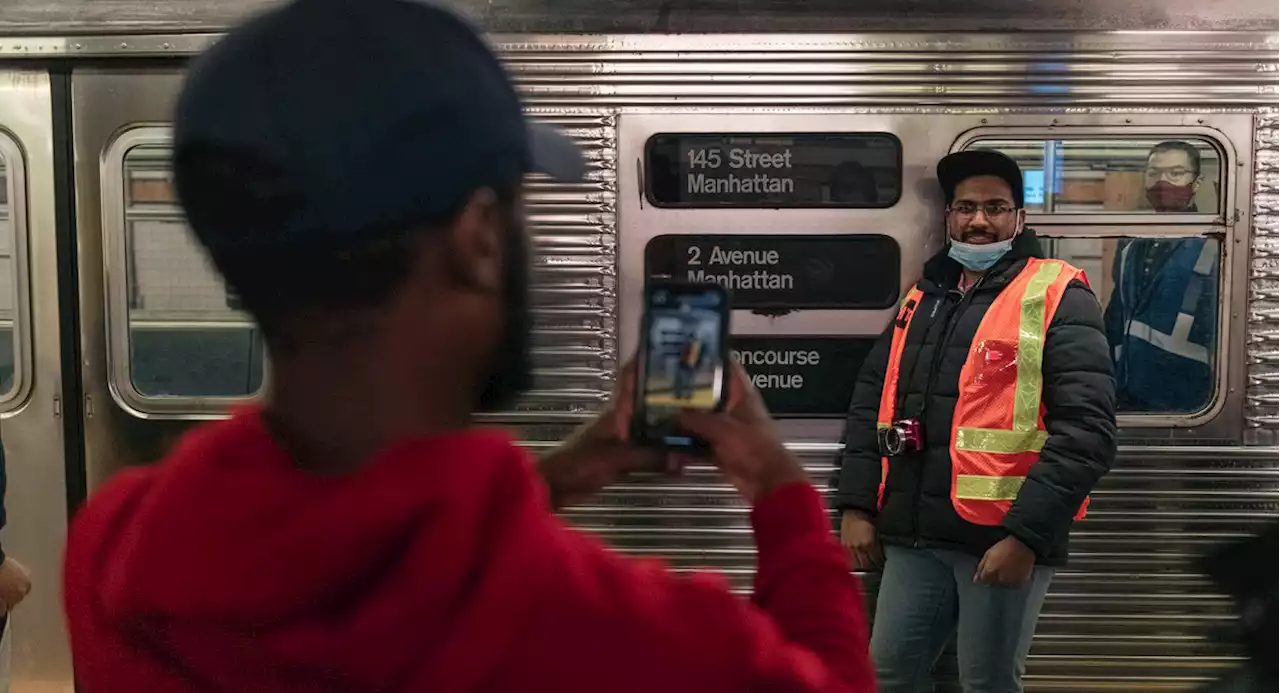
784, 271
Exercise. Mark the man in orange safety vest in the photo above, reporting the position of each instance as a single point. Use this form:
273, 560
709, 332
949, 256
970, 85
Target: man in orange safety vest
978, 427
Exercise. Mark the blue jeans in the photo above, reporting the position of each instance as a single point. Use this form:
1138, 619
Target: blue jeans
925, 595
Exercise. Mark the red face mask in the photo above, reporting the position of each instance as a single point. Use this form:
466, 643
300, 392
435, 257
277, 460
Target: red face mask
1167, 197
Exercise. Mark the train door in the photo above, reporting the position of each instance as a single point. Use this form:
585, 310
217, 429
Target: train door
31, 382
162, 346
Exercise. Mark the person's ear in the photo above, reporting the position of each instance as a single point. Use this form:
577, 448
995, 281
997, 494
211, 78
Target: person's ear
474, 246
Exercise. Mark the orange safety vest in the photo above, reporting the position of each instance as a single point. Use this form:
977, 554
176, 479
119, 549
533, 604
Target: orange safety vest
997, 429
692, 353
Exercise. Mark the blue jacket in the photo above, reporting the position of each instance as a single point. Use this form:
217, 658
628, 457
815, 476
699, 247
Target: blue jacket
1161, 324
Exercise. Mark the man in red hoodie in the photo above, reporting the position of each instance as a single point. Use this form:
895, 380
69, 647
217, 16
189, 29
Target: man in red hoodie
354, 170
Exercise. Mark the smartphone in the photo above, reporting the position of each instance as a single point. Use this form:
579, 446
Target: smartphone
684, 350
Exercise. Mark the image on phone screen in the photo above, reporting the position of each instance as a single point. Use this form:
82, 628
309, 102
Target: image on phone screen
684, 362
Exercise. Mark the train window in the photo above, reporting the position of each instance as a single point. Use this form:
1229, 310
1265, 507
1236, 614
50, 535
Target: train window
185, 337
10, 285
1160, 301
773, 170
1154, 175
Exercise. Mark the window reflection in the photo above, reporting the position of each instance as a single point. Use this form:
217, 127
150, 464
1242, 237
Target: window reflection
1160, 301
185, 337
1092, 176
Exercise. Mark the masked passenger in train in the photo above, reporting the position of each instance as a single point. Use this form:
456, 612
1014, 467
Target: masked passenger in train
1161, 319
354, 171
979, 424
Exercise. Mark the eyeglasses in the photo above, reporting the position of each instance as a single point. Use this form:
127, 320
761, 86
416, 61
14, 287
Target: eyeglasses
1176, 173
992, 210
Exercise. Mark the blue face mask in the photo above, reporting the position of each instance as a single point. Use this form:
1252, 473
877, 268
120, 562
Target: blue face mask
979, 258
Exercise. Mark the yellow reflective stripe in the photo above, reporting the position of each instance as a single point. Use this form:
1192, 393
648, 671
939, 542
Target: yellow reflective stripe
988, 488
907, 297
1031, 329
881, 425
903, 301
999, 441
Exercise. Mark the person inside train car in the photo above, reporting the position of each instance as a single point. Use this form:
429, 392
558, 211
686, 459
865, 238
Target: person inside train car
358, 531
1162, 316
978, 426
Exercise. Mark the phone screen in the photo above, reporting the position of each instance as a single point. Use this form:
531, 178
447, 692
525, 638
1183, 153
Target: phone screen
684, 360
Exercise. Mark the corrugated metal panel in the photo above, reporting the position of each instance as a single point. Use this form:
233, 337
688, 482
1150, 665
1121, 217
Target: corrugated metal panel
683, 16
891, 70
1264, 288
573, 288
1129, 613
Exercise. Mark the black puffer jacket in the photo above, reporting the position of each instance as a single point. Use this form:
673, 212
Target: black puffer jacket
1079, 397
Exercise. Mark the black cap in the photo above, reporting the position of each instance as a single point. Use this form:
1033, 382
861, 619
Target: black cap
960, 166
373, 114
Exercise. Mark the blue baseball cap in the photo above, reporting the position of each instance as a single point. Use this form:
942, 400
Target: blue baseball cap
372, 115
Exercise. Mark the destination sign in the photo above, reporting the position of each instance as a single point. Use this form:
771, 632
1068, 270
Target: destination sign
784, 271
774, 170
803, 376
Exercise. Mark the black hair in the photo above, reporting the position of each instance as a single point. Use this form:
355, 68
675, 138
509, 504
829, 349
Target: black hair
236, 201
1192, 152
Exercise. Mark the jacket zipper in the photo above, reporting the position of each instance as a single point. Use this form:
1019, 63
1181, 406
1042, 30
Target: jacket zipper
948, 327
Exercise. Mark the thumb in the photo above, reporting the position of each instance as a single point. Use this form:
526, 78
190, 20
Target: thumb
712, 427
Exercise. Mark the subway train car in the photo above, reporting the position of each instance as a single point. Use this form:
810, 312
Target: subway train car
785, 150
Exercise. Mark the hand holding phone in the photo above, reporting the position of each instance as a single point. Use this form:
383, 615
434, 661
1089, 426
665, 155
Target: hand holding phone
681, 362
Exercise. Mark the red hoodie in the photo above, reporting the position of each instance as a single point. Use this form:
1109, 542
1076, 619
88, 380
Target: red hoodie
437, 567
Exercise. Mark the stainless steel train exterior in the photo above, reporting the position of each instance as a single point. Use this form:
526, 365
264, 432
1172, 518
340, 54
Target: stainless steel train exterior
120, 337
